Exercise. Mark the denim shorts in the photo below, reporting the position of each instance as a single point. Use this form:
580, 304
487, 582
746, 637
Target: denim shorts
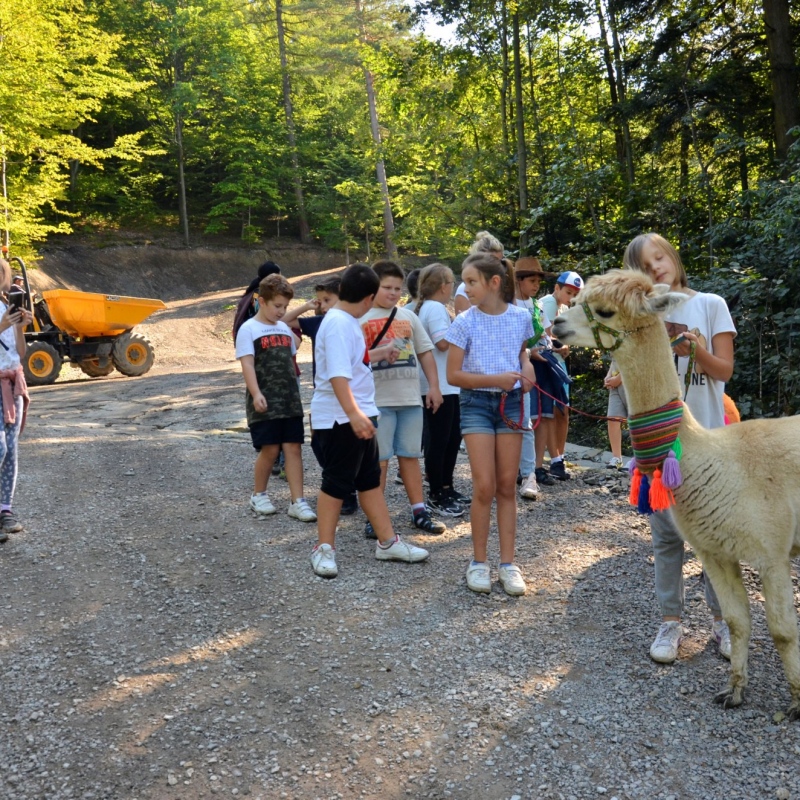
480, 411
400, 432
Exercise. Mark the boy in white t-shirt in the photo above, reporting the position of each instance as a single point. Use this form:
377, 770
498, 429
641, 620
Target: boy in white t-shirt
344, 418
264, 347
397, 388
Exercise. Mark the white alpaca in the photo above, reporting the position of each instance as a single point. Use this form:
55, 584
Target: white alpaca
740, 496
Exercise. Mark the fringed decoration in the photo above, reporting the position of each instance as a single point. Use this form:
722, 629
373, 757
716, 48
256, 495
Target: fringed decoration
671, 471
677, 448
636, 482
643, 504
660, 497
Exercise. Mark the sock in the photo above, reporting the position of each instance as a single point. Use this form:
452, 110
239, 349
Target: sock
556, 459
387, 545
417, 508
5, 507
506, 563
477, 562
259, 494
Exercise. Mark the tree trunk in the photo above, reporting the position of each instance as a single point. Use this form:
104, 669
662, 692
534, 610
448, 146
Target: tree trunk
504, 92
782, 73
522, 159
622, 93
612, 87
305, 233
182, 210
388, 220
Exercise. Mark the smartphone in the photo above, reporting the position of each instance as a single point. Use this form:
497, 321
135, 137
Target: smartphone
677, 340
15, 300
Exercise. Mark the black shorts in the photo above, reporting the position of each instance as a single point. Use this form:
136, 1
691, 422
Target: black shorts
277, 431
348, 463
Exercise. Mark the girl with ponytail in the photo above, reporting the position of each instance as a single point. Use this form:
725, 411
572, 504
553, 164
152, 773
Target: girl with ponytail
488, 360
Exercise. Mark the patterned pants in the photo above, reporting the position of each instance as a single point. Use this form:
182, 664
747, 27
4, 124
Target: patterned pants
9, 435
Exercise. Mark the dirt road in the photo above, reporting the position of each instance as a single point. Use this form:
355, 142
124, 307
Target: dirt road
157, 641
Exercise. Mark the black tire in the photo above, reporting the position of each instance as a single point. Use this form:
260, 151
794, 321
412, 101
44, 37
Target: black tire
133, 354
91, 366
41, 364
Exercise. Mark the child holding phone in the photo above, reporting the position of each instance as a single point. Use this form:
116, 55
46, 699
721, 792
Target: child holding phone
13, 320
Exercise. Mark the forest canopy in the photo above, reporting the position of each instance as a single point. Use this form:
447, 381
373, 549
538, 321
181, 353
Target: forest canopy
564, 128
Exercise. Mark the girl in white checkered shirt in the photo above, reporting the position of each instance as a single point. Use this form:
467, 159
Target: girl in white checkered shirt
489, 361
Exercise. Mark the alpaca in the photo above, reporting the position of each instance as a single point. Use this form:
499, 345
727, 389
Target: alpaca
740, 496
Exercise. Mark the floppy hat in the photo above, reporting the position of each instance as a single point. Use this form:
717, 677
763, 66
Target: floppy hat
528, 266
570, 279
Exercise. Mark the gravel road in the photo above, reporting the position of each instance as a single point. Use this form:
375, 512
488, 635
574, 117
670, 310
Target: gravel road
158, 641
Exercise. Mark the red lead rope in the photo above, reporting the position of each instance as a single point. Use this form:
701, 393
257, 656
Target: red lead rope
520, 426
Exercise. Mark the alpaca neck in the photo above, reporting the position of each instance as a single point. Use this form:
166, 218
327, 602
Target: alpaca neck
645, 361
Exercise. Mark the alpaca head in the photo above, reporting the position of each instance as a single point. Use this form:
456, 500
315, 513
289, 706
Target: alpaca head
620, 302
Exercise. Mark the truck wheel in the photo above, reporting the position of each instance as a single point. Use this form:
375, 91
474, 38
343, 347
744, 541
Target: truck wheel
41, 364
91, 366
133, 354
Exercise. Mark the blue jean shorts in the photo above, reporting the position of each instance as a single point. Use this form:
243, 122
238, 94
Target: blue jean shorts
480, 411
400, 432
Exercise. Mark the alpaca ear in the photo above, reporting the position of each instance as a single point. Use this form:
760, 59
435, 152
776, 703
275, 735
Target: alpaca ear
661, 299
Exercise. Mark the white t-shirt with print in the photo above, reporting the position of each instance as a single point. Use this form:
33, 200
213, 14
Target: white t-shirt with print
341, 352
436, 321
397, 384
491, 342
9, 357
705, 315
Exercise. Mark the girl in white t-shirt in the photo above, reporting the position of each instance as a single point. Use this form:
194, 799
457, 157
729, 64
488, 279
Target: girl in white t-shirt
703, 333
488, 360
443, 427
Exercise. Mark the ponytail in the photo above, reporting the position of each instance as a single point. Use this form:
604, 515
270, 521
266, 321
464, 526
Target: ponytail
509, 287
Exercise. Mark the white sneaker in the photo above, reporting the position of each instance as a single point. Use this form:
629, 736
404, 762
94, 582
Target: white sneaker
529, 489
301, 510
722, 636
323, 560
260, 503
479, 577
512, 581
615, 462
400, 550
665, 647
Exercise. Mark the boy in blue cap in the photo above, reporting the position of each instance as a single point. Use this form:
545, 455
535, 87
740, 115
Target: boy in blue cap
568, 284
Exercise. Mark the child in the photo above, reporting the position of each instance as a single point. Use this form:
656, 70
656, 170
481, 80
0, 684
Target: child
327, 295
412, 284
264, 347
528, 274
617, 407
13, 403
568, 284
397, 389
704, 360
345, 418
489, 361
444, 427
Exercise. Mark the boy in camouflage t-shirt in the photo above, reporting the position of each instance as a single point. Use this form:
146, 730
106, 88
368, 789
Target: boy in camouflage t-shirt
264, 347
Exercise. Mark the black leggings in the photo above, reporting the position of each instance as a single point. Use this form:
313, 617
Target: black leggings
441, 442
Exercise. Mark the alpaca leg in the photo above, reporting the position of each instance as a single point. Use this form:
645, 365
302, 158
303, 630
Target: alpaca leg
782, 622
726, 577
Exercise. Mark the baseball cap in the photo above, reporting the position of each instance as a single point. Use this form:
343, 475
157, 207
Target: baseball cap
570, 279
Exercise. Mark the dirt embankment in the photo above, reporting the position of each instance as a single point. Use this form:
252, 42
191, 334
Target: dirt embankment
171, 273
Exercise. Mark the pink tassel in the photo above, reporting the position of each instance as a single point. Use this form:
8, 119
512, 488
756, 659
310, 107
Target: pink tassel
671, 474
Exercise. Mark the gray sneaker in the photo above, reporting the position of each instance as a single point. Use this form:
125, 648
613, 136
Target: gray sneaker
400, 550
9, 523
665, 647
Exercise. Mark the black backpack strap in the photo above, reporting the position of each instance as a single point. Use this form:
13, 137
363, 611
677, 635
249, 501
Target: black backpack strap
385, 328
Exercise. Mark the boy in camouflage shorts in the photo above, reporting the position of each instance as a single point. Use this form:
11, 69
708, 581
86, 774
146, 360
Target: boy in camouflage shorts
264, 347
